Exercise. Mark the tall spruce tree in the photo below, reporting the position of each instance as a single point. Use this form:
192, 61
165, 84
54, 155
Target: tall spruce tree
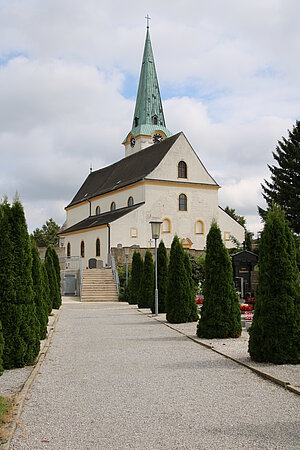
284, 187
17, 307
178, 288
53, 255
136, 277
192, 297
220, 313
162, 273
146, 297
40, 298
275, 331
52, 279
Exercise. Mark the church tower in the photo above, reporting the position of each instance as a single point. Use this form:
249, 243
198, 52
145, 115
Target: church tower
148, 126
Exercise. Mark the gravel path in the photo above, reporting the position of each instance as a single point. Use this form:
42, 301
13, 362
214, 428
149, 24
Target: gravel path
114, 378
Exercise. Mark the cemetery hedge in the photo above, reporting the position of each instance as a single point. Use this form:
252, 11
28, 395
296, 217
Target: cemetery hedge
146, 296
136, 276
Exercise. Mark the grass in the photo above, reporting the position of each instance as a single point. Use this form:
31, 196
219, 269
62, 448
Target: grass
5, 405
6, 408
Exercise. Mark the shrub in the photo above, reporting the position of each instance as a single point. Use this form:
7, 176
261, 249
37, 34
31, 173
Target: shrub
55, 294
191, 297
146, 298
39, 291
178, 288
46, 289
275, 331
17, 308
56, 300
162, 274
220, 313
1, 349
136, 276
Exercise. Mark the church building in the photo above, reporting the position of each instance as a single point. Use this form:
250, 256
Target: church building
160, 177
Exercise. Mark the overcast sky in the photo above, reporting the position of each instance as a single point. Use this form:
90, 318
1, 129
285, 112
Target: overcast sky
229, 74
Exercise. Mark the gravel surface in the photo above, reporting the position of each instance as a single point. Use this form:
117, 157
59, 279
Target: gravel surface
114, 378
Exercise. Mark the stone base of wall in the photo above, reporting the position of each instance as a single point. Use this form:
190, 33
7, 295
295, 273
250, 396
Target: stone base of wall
120, 258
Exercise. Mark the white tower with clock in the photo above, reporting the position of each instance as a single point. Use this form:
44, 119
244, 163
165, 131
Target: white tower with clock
148, 126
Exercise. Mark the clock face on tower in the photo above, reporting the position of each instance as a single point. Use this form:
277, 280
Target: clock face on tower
132, 141
157, 138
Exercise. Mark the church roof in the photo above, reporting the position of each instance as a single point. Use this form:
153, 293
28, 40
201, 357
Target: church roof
101, 219
127, 171
148, 103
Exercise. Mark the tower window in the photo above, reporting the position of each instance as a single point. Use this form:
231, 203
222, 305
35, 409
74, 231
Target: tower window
130, 201
182, 170
98, 247
68, 250
182, 202
155, 120
98, 211
136, 121
112, 206
82, 249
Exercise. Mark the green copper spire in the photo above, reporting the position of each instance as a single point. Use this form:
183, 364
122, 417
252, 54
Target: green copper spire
148, 114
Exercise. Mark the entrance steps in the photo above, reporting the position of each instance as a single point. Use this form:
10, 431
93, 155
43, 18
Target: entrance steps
98, 285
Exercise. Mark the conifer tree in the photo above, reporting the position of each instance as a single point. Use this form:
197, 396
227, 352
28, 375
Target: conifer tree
52, 278
146, 297
192, 297
136, 277
53, 255
275, 331
17, 308
39, 291
178, 288
284, 187
162, 273
46, 288
220, 313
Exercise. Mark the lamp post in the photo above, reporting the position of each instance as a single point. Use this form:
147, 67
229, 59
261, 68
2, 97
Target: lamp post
126, 256
155, 228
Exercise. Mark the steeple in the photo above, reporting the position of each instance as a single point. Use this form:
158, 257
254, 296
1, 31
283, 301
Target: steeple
148, 124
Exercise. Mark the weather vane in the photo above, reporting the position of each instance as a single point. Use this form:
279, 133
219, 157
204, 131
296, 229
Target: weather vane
148, 18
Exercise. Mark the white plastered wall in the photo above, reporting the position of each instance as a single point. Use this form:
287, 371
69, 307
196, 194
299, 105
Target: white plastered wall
230, 227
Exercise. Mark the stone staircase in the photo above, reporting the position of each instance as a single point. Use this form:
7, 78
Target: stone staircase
98, 285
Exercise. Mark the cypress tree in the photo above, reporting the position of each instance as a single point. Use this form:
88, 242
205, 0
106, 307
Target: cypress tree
39, 291
162, 273
146, 297
46, 289
178, 289
56, 299
220, 313
275, 331
17, 308
191, 293
54, 294
136, 277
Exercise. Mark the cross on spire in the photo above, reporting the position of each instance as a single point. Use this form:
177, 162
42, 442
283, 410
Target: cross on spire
148, 18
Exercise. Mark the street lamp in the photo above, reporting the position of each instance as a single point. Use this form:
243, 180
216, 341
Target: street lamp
126, 256
155, 228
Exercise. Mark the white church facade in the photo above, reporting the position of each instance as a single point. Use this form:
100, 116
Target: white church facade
161, 177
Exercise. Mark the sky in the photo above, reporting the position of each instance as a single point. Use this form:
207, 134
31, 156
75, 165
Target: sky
229, 75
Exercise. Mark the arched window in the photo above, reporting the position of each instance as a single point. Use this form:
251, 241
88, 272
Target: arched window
182, 170
199, 227
166, 226
98, 211
130, 201
182, 202
82, 249
112, 206
155, 120
98, 247
68, 250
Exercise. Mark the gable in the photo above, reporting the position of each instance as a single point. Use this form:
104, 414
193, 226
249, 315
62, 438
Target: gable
123, 173
182, 150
